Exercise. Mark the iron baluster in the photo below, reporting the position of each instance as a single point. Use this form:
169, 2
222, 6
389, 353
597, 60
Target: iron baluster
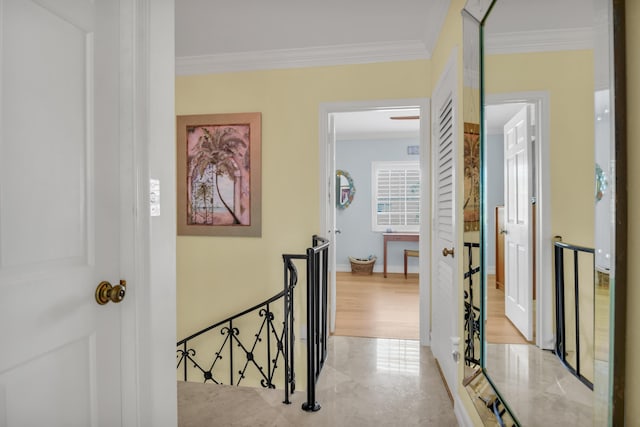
561, 336
269, 348
231, 352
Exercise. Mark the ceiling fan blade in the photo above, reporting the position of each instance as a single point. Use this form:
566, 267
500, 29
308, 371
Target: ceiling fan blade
404, 117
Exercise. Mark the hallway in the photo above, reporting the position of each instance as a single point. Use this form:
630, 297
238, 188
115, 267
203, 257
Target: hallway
365, 382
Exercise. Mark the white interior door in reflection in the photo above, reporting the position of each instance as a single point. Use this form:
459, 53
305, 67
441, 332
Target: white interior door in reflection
518, 254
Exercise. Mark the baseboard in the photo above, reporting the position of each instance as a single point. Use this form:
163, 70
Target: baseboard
379, 268
461, 413
491, 269
343, 268
444, 382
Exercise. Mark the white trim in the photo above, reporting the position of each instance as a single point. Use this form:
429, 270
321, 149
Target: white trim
491, 269
539, 41
406, 50
544, 285
378, 268
132, 246
148, 318
327, 210
460, 411
424, 246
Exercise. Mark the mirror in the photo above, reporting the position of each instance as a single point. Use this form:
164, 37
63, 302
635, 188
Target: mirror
345, 189
539, 80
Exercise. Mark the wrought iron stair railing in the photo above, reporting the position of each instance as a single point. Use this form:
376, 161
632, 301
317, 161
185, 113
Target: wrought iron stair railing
562, 340
269, 343
317, 258
471, 310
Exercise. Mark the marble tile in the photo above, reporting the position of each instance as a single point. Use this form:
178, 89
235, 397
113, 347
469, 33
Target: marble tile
537, 387
365, 382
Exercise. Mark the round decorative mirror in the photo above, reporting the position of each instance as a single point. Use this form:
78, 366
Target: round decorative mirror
344, 189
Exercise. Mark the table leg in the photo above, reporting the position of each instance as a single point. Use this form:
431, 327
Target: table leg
385, 257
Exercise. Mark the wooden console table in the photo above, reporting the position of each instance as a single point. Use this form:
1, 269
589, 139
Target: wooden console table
397, 237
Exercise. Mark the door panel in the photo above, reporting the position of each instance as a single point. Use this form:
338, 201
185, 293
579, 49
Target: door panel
59, 213
444, 301
518, 253
65, 368
44, 139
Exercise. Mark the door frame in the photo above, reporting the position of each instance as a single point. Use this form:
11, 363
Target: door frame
327, 184
148, 245
543, 236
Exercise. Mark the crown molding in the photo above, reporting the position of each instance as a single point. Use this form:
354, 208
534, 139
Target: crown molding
407, 50
540, 41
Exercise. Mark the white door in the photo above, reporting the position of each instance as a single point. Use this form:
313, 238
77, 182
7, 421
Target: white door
444, 267
59, 213
517, 197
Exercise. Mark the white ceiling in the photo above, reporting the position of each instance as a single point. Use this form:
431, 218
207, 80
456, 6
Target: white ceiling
210, 27
496, 116
376, 125
221, 36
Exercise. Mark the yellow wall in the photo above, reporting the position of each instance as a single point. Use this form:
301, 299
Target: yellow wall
632, 391
214, 276
568, 78
218, 276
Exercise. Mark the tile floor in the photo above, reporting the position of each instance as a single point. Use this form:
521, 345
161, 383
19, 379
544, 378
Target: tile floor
365, 382
538, 388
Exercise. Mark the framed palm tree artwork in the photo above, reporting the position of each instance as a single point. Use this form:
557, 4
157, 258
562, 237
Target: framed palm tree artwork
219, 175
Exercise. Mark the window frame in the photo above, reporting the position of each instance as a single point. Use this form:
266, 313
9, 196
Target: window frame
405, 165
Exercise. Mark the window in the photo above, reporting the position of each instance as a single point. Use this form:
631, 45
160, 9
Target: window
396, 196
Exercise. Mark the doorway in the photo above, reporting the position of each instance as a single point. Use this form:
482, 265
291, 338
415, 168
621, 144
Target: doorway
499, 110
338, 224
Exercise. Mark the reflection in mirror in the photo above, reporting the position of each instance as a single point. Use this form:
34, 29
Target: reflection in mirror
345, 190
489, 405
545, 327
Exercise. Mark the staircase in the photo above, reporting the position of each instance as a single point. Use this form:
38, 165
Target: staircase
256, 347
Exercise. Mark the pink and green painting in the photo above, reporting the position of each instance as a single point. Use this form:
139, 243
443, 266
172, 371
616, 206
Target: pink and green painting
218, 175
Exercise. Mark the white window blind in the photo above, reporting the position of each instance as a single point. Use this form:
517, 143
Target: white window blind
396, 196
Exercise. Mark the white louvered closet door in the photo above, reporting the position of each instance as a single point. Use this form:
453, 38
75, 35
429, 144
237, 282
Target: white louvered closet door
444, 315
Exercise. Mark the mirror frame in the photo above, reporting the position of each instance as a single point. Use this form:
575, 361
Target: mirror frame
352, 189
619, 303
617, 326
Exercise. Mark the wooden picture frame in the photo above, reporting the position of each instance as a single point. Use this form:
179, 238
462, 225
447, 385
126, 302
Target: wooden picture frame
219, 175
471, 207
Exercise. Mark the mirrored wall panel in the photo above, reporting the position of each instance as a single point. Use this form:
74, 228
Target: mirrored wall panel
542, 106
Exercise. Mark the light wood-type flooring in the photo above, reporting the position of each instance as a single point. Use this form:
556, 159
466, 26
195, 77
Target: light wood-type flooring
498, 328
375, 307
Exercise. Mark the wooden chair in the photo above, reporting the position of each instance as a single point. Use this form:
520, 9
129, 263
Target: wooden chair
408, 253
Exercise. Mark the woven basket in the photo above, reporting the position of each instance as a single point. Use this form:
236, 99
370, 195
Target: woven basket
362, 266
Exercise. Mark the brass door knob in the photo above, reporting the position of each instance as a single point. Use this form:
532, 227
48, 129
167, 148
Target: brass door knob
446, 252
105, 292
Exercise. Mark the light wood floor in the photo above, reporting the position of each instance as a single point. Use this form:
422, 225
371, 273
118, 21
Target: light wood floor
498, 329
375, 307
